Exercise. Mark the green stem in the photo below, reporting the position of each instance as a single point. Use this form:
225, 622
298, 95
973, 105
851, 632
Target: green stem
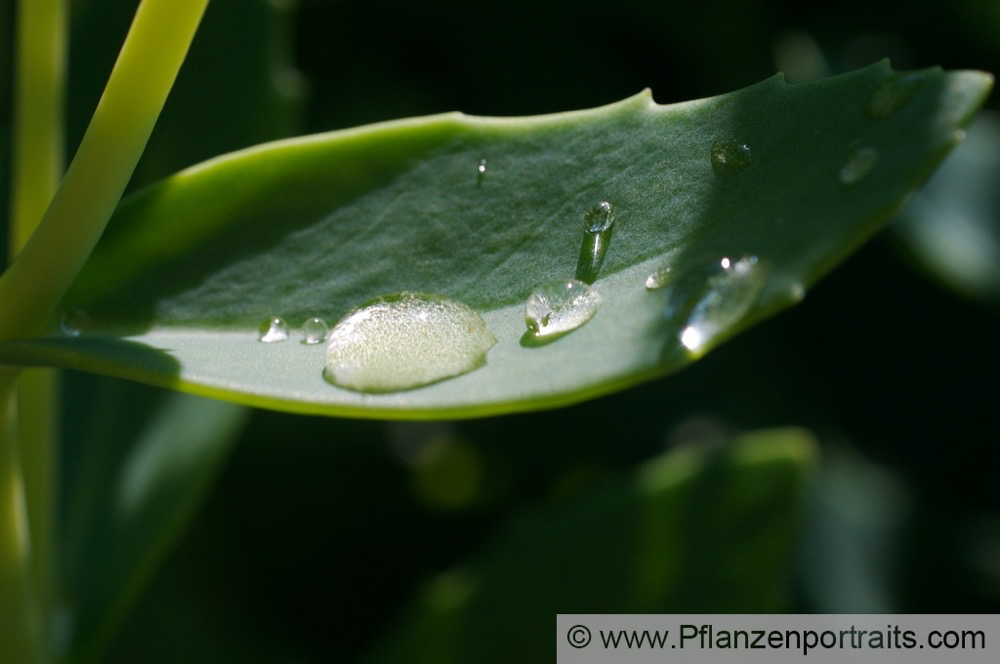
21, 622
146, 68
36, 168
37, 137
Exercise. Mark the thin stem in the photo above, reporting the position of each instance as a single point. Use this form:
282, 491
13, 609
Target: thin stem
37, 166
37, 137
21, 623
146, 68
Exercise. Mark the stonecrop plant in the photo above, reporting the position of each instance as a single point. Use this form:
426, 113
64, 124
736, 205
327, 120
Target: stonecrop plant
437, 268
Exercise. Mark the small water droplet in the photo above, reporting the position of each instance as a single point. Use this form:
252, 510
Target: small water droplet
314, 331
74, 323
598, 225
858, 165
480, 172
730, 156
892, 93
273, 330
405, 340
660, 278
711, 300
559, 307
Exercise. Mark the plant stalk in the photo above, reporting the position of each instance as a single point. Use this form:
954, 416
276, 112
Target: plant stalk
153, 52
37, 166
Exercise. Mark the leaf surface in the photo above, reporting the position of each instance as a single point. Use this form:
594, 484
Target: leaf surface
484, 210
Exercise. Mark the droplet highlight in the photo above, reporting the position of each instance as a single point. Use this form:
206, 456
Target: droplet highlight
559, 307
74, 323
273, 330
858, 165
892, 94
404, 341
708, 302
659, 278
480, 172
729, 157
598, 225
314, 331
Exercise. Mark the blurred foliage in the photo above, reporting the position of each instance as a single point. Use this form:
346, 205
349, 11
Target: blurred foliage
321, 532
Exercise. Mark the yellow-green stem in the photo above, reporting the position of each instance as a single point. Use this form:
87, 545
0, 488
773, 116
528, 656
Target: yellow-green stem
50, 239
36, 167
149, 61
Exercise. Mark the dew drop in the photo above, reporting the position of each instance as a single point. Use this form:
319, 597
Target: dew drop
480, 172
708, 302
660, 278
598, 224
74, 323
892, 93
314, 331
729, 157
273, 330
559, 307
858, 165
403, 341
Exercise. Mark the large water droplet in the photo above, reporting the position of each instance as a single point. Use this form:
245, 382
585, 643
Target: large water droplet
858, 165
710, 301
74, 323
729, 157
314, 331
892, 94
598, 224
405, 340
273, 330
559, 307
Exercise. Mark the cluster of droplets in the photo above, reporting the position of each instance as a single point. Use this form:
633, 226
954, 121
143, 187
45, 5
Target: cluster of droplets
406, 340
276, 329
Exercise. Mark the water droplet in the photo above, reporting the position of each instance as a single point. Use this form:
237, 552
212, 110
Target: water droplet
480, 172
710, 301
559, 307
730, 156
598, 224
74, 323
314, 331
858, 165
659, 278
273, 330
892, 94
405, 340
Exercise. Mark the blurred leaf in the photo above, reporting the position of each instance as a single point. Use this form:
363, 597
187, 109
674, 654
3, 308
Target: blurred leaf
697, 530
140, 461
793, 175
137, 461
952, 226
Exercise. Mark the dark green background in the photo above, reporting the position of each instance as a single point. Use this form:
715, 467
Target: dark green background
317, 533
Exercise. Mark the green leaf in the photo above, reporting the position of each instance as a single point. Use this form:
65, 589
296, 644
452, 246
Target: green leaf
697, 530
139, 465
315, 226
952, 226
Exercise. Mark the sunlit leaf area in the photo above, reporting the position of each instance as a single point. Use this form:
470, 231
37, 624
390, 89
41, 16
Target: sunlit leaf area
710, 346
